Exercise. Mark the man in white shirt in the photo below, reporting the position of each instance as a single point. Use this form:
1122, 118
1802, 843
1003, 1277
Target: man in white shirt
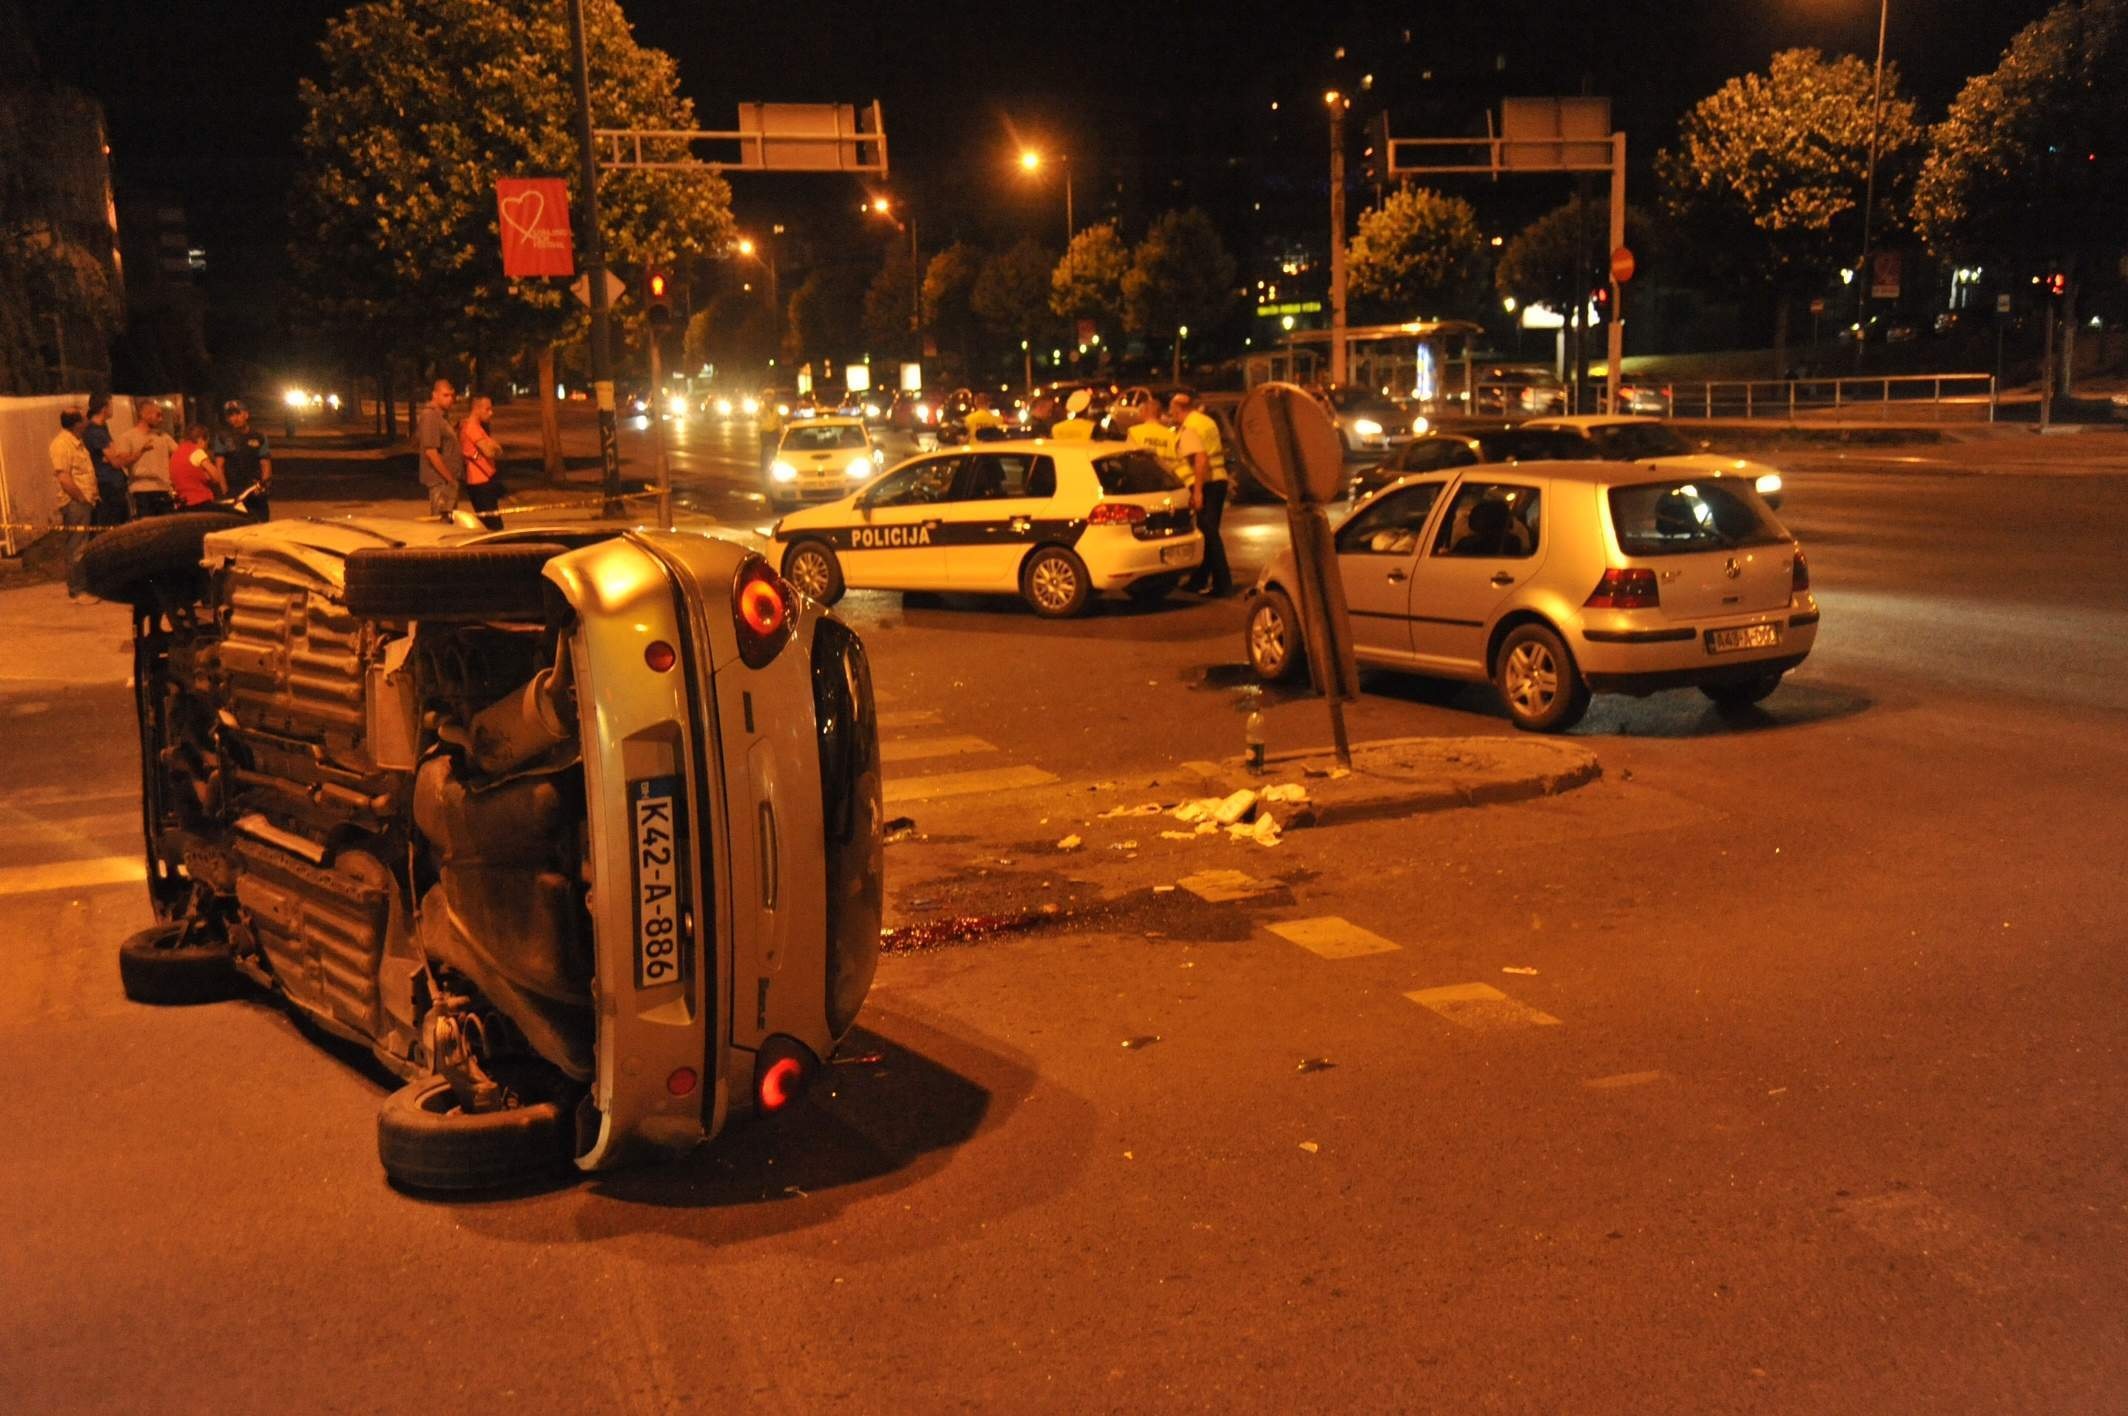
76, 472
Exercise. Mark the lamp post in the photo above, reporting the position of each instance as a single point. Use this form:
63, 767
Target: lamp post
1031, 161
765, 253
1337, 103
881, 206
594, 264
1869, 185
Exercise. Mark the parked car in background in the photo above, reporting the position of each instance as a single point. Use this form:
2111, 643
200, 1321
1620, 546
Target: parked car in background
1437, 452
1514, 390
487, 807
1557, 580
1620, 438
1367, 423
1638, 397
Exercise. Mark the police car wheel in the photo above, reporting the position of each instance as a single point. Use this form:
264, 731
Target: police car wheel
1054, 583
813, 568
1274, 639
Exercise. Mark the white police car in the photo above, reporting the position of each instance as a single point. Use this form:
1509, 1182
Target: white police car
820, 459
1054, 523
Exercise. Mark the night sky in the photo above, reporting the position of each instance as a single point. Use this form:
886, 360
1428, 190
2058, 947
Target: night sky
1156, 110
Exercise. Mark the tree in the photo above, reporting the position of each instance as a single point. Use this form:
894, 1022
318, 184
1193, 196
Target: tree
424, 103
826, 316
1011, 295
890, 305
1180, 275
2026, 170
734, 332
1418, 253
1088, 282
949, 281
1771, 171
1561, 256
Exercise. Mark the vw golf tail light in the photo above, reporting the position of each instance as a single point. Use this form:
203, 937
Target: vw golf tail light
1799, 574
762, 611
1632, 588
1116, 514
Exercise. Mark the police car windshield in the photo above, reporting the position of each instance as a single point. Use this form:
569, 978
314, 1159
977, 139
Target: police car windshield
819, 439
1125, 474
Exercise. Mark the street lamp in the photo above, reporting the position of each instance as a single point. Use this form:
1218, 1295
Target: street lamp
1031, 162
752, 250
1869, 183
882, 207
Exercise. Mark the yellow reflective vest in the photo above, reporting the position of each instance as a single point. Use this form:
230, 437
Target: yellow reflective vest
1159, 439
1215, 451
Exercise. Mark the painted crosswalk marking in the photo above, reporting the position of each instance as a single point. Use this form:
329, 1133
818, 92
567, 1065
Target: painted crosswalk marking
72, 874
915, 749
910, 718
946, 784
1332, 937
1480, 1007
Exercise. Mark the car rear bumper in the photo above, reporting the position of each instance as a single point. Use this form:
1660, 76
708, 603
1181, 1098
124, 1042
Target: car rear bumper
1637, 653
1119, 560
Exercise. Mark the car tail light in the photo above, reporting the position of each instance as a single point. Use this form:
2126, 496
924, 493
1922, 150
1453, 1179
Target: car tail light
783, 1068
1799, 574
761, 611
659, 655
682, 1082
1628, 589
1116, 514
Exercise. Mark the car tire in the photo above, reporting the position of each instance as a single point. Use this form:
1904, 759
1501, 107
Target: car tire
1054, 583
1538, 682
1154, 589
125, 562
164, 966
809, 561
427, 1143
1741, 693
450, 582
1272, 639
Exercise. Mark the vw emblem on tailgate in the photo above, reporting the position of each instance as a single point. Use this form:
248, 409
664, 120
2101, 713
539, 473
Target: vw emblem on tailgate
1731, 569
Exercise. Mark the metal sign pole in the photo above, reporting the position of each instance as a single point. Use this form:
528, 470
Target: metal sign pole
657, 426
595, 268
1329, 653
1614, 349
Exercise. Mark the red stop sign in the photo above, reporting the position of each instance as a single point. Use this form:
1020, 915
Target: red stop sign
1622, 264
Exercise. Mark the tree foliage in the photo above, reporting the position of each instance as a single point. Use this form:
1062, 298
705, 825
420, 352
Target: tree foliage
1558, 258
736, 332
890, 305
1180, 275
1087, 283
423, 104
2031, 163
1770, 171
949, 283
1418, 253
48, 267
827, 315
1011, 295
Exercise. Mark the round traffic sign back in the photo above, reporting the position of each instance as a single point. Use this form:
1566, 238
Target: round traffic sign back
1622, 266
1293, 441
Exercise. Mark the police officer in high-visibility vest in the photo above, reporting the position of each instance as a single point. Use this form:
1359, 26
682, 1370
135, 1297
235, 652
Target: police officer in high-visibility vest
1152, 433
1076, 427
1212, 577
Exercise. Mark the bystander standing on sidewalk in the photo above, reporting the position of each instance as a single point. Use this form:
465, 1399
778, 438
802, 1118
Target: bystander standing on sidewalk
194, 478
76, 472
436, 444
142, 452
110, 482
1212, 576
245, 458
477, 451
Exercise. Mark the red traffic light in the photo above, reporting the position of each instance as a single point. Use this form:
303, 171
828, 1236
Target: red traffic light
2057, 284
656, 285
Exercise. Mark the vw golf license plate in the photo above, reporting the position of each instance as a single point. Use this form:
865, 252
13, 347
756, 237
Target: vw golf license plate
1744, 636
659, 813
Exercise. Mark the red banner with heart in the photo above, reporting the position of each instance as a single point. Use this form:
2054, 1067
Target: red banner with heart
533, 213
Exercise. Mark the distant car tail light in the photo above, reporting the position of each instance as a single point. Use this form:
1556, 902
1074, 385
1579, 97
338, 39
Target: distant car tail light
659, 655
1627, 589
761, 611
783, 1068
1799, 574
1116, 514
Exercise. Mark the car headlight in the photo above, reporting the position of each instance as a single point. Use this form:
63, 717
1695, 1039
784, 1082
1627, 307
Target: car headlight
1768, 484
859, 467
783, 410
724, 408
871, 410
750, 407
782, 471
676, 405
296, 398
332, 401
1419, 425
1366, 427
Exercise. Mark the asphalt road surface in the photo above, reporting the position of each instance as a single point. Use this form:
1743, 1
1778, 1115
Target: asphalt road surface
1802, 1090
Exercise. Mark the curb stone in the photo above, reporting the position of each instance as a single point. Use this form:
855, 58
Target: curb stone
1412, 776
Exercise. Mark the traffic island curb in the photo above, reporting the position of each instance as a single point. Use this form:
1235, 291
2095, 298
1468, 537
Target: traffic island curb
1394, 777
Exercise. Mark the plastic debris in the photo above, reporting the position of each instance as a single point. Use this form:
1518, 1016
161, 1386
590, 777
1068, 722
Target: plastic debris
1070, 843
1310, 1147
1263, 831
901, 828
1178, 835
1315, 1064
1513, 969
1235, 807
1139, 1044
1284, 791
1150, 808
1163, 889
1207, 828
1123, 845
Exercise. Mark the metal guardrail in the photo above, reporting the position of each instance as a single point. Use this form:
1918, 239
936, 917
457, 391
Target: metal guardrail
1902, 396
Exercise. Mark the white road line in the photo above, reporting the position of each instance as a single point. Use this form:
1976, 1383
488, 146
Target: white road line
945, 784
910, 718
1330, 937
71, 874
1618, 1080
910, 749
1481, 1008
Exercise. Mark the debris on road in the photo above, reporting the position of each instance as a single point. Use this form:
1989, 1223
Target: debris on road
1263, 831
1284, 791
1070, 843
1315, 1064
1515, 969
1310, 1147
1150, 808
1217, 887
1139, 1044
901, 828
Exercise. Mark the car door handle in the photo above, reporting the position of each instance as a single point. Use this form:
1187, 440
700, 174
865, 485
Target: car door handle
1021, 523
1503, 578
1397, 575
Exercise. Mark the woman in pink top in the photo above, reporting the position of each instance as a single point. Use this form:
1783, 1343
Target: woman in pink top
193, 475
480, 450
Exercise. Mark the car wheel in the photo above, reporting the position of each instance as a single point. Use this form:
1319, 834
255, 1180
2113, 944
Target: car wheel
1538, 683
813, 568
1153, 590
1742, 693
1273, 639
125, 562
427, 1142
450, 582
1054, 583
174, 964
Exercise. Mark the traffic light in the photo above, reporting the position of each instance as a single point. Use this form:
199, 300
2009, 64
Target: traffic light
2057, 284
655, 305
